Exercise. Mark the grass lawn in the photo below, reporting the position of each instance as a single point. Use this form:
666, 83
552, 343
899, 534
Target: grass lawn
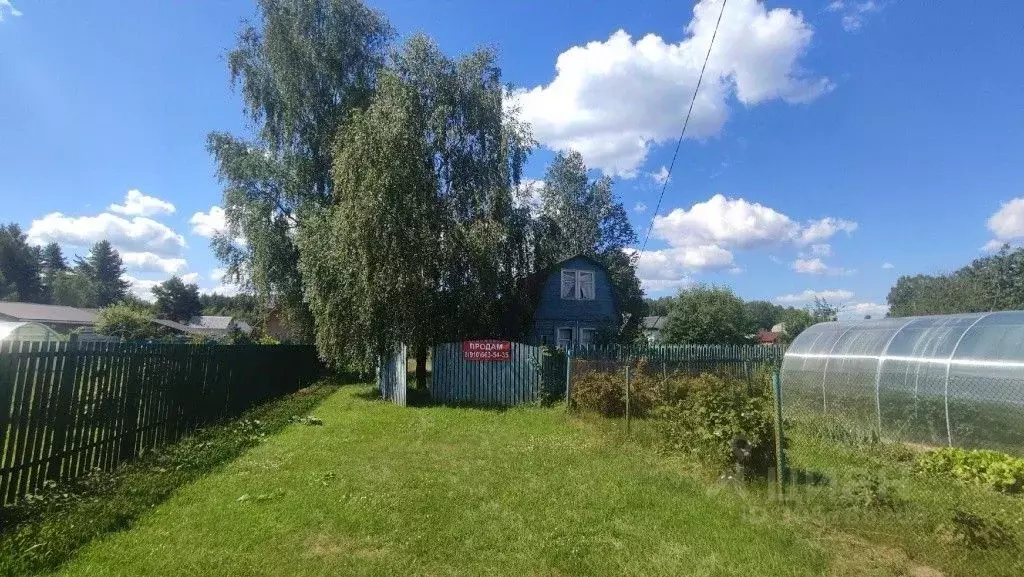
383, 490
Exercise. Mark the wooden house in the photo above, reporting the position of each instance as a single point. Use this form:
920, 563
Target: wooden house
575, 302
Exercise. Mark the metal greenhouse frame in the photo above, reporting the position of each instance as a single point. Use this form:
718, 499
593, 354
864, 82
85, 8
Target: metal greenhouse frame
938, 380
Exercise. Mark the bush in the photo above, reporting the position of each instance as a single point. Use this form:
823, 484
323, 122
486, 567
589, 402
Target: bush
605, 392
975, 532
721, 421
982, 467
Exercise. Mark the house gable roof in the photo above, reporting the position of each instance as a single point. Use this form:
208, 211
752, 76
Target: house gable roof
33, 312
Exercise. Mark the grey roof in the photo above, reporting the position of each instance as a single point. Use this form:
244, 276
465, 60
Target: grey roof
47, 313
173, 325
655, 323
217, 323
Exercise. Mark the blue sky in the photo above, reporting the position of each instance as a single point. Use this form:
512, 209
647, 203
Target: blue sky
841, 136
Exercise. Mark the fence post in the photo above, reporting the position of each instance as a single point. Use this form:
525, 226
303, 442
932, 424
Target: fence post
63, 420
568, 378
780, 457
627, 398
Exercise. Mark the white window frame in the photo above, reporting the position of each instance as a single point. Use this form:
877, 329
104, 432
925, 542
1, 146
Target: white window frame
559, 340
578, 292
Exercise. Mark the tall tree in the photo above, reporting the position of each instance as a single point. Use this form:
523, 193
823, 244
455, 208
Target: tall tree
421, 244
581, 216
19, 264
706, 314
302, 70
103, 266
176, 300
53, 263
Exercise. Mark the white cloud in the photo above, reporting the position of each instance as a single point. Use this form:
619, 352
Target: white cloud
817, 266
823, 229
147, 261
1006, 224
190, 278
887, 265
639, 207
528, 194
739, 223
139, 234
660, 177
612, 100
809, 295
223, 287
821, 249
138, 204
854, 14
5, 5
209, 223
670, 267
142, 288
852, 311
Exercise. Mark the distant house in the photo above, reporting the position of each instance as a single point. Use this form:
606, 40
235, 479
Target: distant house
652, 326
207, 325
60, 318
575, 301
764, 337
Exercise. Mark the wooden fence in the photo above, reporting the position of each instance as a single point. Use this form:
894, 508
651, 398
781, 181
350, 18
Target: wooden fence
67, 408
521, 379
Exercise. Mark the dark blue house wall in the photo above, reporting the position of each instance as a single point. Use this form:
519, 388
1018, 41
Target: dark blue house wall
554, 312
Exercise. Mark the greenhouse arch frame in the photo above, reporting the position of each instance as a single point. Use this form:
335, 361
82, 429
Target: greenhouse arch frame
938, 380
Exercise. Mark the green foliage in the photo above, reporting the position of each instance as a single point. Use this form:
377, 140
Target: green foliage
706, 415
603, 392
867, 489
706, 314
19, 267
992, 469
975, 531
659, 306
52, 264
73, 289
421, 244
49, 526
104, 268
241, 306
302, 69
176, 300
126, 322
990, 283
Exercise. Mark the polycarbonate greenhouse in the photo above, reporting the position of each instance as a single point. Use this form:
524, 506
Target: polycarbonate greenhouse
937, 380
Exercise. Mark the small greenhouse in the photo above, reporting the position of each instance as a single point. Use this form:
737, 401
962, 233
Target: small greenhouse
19, 331
939, 380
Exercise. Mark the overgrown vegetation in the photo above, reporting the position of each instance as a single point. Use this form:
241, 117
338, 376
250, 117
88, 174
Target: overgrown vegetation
992, 469
47, 528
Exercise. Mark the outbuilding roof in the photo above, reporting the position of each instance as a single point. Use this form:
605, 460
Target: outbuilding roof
33, 312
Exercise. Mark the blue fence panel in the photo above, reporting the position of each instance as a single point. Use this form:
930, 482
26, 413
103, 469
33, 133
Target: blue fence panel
392, 376
457, 380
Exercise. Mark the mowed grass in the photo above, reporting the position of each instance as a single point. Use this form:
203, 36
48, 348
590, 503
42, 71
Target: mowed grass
383, 490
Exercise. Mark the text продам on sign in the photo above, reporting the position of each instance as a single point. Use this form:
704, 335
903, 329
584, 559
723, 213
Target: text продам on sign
487, 350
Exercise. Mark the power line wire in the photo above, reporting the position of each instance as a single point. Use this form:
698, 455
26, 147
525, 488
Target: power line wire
682, 133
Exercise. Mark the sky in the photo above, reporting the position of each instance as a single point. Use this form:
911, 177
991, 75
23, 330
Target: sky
833, 145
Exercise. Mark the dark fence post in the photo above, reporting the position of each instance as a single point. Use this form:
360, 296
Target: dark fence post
627, 397
63, 421
568, 378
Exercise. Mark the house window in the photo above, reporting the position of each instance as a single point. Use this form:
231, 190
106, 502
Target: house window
563, 338
578, 284
587, 336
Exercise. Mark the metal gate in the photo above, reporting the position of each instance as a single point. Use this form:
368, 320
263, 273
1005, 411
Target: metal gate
392, 376
515, 373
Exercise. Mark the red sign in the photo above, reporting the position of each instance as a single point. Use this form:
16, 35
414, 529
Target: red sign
486, 350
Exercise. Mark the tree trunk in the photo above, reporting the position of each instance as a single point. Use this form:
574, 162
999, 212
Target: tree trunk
421, 367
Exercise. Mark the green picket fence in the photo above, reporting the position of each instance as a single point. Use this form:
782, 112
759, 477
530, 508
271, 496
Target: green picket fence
67, 408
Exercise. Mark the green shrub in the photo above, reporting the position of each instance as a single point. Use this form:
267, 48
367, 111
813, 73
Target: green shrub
975, 532
605, 392
709, 416
868, 490
993, 469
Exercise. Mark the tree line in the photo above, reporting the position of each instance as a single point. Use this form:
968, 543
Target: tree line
709, 314
382, 197
44, 275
